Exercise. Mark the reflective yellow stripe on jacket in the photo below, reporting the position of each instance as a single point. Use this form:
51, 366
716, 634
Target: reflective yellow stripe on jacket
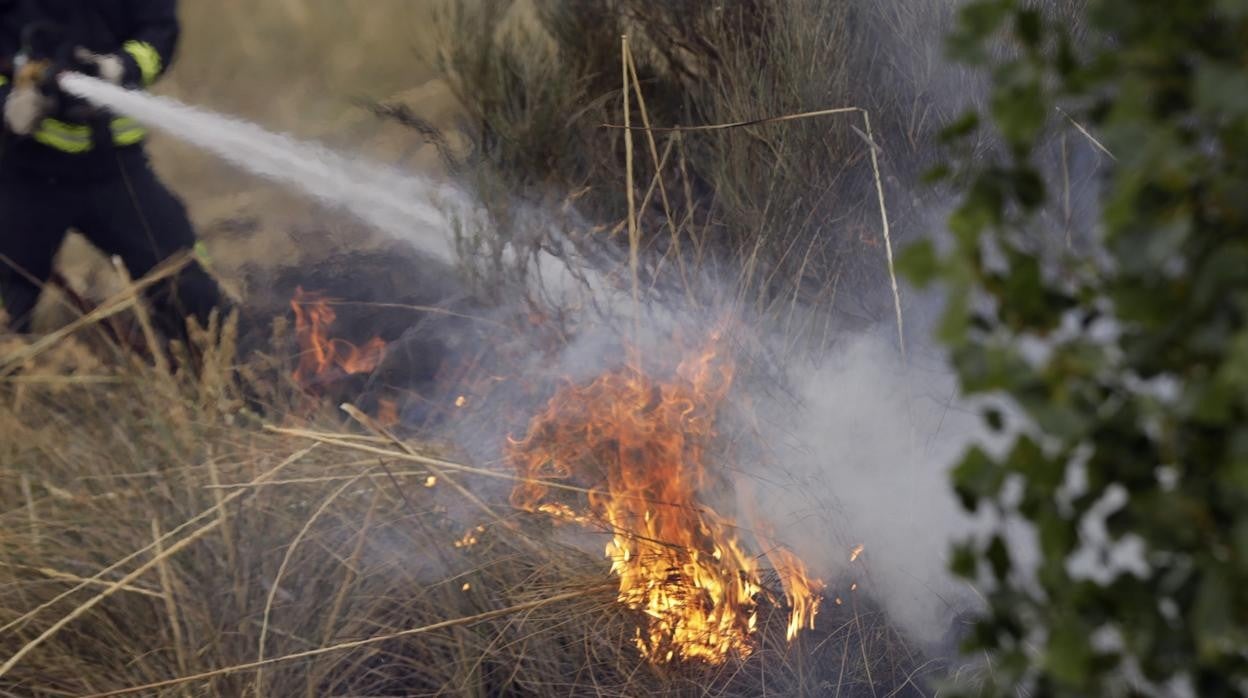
76, 138
147, 57
127, 131
67, 138
3, 81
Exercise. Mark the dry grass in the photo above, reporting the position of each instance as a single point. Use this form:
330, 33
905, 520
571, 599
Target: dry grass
159, 539
782, 214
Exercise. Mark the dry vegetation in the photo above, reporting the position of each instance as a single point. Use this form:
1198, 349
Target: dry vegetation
155, 530
782, 213
177, 537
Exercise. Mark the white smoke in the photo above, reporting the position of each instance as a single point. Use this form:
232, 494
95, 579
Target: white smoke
865, 462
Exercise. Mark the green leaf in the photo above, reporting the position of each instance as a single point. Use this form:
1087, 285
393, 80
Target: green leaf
963, 561
983, 17
1020, 112
955, 322
1029, 188
1221, 89
1239, 541
977, 21
964, 126
919, 263
994, 418
1029, 26
1068, 655
1233, 9
1212, 614
937, 174
1028, 460
1057, 535
976, 478
998, 556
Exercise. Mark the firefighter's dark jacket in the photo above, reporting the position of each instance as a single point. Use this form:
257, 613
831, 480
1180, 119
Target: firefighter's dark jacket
76, 142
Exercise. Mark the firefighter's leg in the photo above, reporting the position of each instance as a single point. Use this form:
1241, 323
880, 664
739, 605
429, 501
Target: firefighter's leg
137, 218
34, 218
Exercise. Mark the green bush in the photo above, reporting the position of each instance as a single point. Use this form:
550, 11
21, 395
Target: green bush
1136, 405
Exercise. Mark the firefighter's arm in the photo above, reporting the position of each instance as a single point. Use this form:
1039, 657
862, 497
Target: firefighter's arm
149, 50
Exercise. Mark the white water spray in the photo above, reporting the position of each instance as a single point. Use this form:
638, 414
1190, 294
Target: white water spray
409, 207
412, 208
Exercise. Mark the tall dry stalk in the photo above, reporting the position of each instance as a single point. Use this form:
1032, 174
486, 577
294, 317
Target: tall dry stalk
886, 229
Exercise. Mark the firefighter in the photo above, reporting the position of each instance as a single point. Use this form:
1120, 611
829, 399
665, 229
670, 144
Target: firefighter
65, 164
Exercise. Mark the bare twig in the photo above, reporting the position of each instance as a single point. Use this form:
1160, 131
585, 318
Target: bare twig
740, 124
888, 238
634, 234
1092, 139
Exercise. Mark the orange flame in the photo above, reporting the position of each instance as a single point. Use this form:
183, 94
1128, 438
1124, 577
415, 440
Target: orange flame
319, 354
637, 446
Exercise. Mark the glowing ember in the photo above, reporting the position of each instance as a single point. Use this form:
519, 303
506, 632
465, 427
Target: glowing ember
319, 354
638, 445
857, 551
469, 538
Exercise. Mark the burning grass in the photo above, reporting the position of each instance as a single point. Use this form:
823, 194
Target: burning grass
638, 445
321, 353
159, 539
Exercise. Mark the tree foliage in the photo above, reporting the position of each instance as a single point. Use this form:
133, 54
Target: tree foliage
1128, 367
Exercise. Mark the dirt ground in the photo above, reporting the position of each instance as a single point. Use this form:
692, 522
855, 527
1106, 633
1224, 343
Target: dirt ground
296, 66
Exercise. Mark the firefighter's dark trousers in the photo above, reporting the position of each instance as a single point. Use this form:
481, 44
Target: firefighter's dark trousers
129, 214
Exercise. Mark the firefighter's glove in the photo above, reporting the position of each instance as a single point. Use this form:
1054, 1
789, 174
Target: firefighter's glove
107, 67
25, 108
